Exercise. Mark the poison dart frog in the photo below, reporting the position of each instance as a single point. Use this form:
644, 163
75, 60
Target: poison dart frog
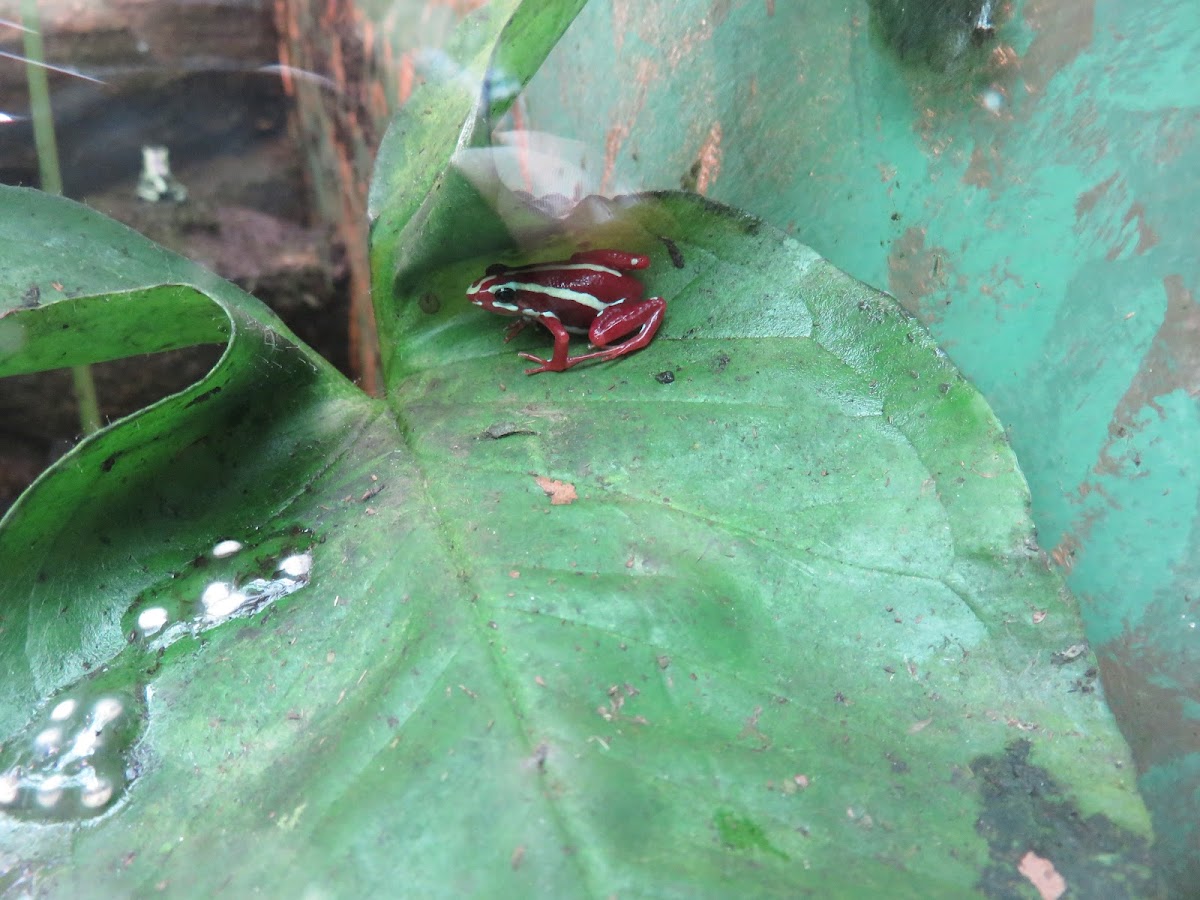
587, 294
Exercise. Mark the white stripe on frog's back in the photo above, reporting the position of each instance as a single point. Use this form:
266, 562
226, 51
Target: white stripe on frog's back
581, 297
564, 267
541, 267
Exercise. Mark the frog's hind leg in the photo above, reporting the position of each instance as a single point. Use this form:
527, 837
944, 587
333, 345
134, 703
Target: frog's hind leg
614, 259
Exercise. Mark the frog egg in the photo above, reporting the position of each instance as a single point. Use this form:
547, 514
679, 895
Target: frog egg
296, 566
96, 792
50, 791
10, 787
63, 710
49, 740
106, 710
151, 620
225, 549
220, 599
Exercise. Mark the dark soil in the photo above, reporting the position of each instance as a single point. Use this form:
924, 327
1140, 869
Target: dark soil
246, 219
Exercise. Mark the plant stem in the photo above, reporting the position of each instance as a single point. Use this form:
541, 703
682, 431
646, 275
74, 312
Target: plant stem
85, 396
51, 177
39, 100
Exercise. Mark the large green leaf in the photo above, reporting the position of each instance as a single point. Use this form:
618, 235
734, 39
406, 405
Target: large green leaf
791, 628
820, 526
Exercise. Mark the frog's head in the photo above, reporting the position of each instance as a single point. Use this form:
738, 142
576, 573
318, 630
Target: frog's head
495, 291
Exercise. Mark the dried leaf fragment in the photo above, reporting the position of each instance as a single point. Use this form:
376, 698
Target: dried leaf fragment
1043, 876
1072, 653
500, 430
559, 492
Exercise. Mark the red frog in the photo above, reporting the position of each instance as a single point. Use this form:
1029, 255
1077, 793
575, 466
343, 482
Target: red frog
588, 294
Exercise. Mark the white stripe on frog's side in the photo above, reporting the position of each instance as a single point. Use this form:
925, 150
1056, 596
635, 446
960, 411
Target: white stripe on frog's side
581, 297
535, 314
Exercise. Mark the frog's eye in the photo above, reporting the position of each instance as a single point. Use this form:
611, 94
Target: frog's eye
504, 294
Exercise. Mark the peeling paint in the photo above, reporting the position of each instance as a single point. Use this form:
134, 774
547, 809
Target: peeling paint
916, 272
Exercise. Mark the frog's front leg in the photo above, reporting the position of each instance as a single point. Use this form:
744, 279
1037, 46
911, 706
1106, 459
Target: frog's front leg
613, 259
516, 328
558, 362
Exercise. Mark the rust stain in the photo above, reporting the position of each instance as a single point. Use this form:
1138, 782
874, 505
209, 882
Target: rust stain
522, 147
1176, 136
687, 46
770, 8
1072, 545
710, 159
986, 166
1099, 201
1088, 199
914, 270
612, 146
1153, 718
1172, 363
1065, 551
646, 75
620, 23
460, 8
1146, 235
1086, 135
1064, 30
